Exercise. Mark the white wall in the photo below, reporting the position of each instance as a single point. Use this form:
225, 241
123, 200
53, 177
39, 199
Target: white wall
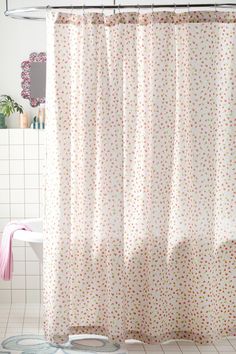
18, 38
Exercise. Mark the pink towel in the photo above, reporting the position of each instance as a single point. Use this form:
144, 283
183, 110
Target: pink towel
6, 255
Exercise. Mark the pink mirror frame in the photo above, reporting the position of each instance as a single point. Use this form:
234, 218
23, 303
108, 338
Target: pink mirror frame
25, 75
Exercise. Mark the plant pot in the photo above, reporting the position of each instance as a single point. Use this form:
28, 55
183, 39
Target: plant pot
2, 121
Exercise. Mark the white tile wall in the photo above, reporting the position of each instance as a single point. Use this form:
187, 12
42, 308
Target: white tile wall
22, 155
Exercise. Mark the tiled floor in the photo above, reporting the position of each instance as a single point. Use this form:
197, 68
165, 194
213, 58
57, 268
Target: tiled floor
21, 319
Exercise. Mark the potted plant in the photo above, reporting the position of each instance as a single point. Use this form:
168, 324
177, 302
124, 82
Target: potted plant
7, 107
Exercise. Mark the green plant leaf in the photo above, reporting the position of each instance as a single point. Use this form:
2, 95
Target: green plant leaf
9, 106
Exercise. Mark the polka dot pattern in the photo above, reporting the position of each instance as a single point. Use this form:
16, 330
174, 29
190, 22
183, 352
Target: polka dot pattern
140, 194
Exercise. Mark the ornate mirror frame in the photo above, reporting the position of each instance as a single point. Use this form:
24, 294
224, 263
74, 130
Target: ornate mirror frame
25, 75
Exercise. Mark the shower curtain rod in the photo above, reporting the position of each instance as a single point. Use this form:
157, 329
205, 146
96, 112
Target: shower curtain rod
23, 13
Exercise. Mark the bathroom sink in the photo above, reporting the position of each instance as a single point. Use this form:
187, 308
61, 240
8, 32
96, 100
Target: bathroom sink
34, 237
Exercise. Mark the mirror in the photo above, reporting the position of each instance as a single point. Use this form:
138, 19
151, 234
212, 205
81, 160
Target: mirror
34, 78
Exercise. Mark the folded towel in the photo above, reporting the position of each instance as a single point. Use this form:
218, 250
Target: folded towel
6, 255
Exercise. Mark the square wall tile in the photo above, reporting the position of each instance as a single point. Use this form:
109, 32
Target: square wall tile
4, 182
42, 210
32, 196
17, 243
4, 152
42, 152
16, 167
33, 282
5, 285
32, 268
32, 210
18, 282
31, 181
19, 267
32, 296
4, 137
19, 253
4, 195
16, 136
42, 137
17, 211
42, 181
30, 255
31, 152
31, 167
4, 167
18, 296
31, 137
42, 195
42, 166
16, 181
3, 222
5, 296
4, 210
16, 152
17, 196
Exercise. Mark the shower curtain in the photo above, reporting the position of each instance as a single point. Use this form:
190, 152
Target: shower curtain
140, 229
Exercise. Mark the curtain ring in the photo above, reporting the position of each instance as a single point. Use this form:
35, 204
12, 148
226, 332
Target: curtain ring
119, 8
188, 8
152, 9
215, 7
83, 9
138, 8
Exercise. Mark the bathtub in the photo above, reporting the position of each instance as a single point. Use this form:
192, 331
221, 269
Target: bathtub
34, 238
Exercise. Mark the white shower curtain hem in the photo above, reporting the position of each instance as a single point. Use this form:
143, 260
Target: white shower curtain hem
198, 338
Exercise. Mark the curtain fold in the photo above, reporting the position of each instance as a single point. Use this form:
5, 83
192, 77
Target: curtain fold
140, 192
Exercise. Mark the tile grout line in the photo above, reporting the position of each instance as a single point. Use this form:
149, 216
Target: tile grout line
23, 322
179, 346
39, 319
219, 352
215, 348
5, 333
9, 178
18, 203
230, 343
144, 349
24, 210
39, 203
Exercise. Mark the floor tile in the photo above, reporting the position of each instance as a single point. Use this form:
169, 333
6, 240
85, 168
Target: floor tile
207, 349
174, 352
171, 348
187, 349
153, 348
224, 345
232, 342
134, 347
